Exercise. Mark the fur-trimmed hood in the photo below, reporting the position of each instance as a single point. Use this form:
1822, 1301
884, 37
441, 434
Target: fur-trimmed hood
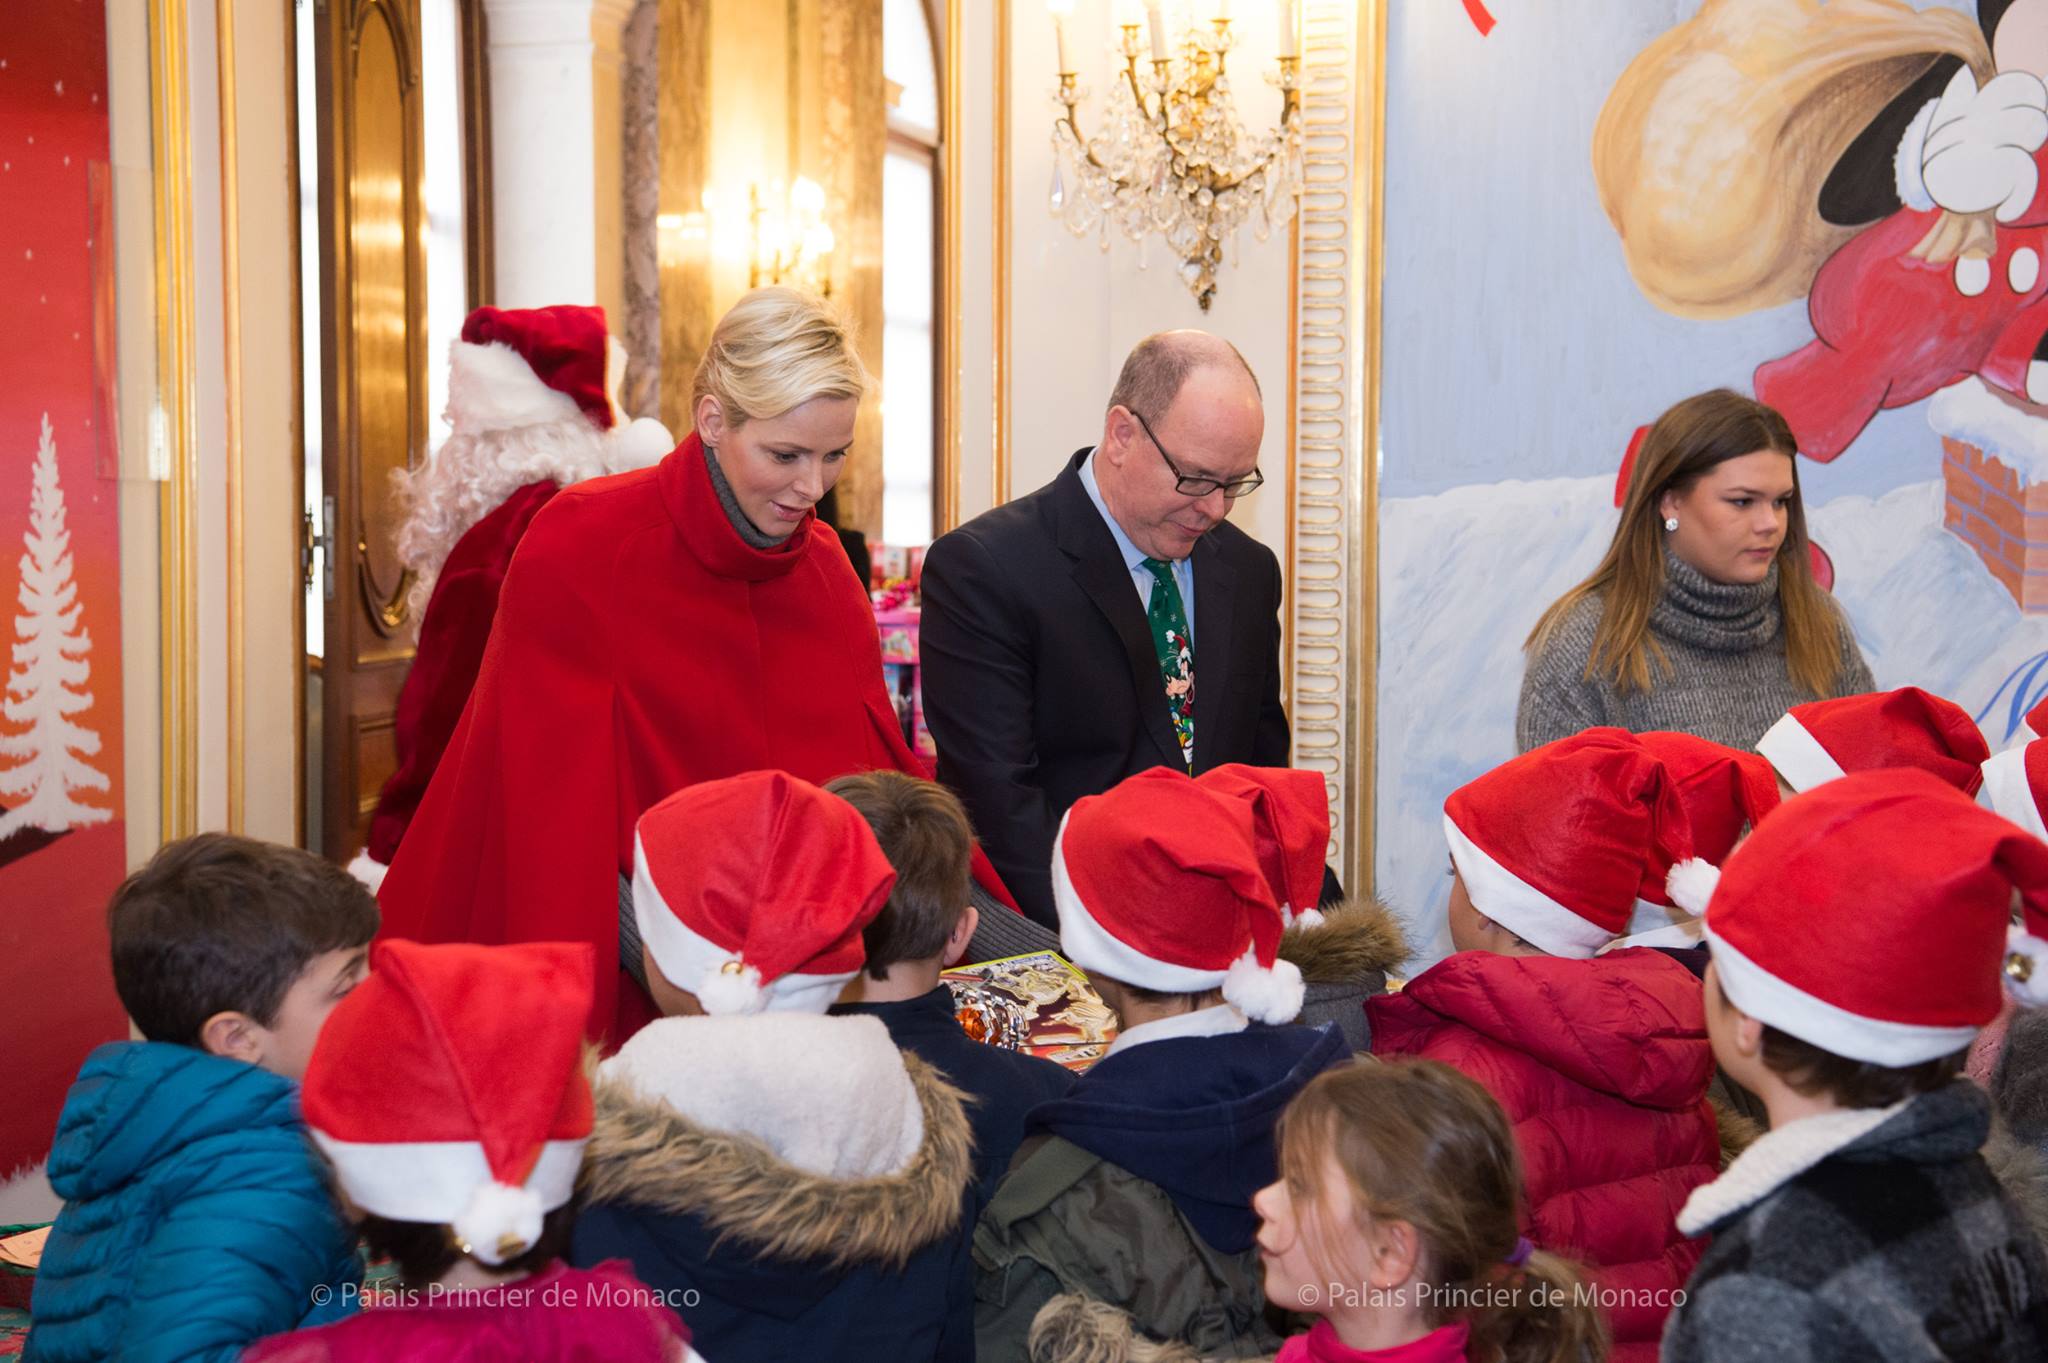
645, 1153
1072, 1328
2022, 1173
1355, 938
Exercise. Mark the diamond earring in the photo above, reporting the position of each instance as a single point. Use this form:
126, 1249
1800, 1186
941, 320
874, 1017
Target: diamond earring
1671, 522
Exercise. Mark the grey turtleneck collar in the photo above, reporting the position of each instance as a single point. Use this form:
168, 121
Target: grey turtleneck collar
747, 530
1719, 616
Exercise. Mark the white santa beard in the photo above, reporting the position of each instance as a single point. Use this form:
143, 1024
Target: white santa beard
472, 474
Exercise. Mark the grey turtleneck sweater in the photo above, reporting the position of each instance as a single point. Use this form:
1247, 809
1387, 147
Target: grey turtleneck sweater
746, 529
1728, 682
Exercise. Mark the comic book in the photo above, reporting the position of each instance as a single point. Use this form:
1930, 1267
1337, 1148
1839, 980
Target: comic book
1037, 1002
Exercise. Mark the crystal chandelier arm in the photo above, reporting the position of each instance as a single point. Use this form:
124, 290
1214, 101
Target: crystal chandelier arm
1070, 96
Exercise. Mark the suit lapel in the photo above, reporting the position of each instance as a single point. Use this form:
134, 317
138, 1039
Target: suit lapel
1099, 570
1215, 644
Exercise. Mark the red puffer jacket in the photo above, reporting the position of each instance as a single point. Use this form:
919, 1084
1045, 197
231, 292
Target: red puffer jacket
1603, 1067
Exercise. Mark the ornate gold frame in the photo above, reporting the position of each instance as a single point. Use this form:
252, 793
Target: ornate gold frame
174, 409
1333, 364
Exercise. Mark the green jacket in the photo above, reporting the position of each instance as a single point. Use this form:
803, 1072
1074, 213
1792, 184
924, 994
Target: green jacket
1065, 1220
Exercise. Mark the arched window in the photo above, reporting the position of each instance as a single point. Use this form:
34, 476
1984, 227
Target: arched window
910, 273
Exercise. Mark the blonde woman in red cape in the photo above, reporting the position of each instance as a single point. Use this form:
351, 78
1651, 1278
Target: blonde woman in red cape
663, 627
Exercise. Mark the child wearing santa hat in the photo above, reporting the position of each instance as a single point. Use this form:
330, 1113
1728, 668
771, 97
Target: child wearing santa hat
1858, 940
447, 1092
798, 1176
1136, 1188
1345, 947
1825, 739
1601, 1060
924, 928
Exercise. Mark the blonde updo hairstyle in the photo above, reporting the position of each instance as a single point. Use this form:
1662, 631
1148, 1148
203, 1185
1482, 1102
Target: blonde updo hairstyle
777, 349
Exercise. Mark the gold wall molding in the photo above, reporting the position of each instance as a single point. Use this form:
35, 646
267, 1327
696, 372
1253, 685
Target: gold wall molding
231, 345
1333, 508
173, 435
946, 478
999, 478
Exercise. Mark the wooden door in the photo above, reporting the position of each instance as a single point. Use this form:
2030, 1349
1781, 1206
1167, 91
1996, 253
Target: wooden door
374, 391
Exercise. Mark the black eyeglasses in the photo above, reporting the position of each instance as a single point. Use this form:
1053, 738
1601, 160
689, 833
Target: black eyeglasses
1189, 486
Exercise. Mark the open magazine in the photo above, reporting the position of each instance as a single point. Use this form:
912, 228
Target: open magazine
1037, 1002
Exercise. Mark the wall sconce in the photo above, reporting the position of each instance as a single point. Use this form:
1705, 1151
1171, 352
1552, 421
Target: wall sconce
792, 242
786, 242
1172, 156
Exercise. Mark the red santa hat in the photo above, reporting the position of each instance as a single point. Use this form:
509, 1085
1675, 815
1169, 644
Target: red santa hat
1158, 885
1723, 790
1553, 844
2016, 785
1291, 825
1869, 918
1823, 739
751, 892
448, 1087
517, 367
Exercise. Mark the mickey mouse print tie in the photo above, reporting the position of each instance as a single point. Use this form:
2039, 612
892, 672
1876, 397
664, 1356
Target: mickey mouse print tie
1169, 620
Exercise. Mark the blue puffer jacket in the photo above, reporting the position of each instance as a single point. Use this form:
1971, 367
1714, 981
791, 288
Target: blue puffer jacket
196, 1216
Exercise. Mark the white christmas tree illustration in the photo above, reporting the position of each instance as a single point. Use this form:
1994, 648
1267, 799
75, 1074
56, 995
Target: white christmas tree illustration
47, 684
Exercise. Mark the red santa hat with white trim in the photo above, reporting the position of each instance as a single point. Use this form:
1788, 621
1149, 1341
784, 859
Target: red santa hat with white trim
1291, 825
1869, 918
751, 892
519, 367
1824, 739
1553, 844
448, 1087
1158, 884
1724, 791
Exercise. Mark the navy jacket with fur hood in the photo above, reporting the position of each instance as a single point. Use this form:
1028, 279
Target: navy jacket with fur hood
795, 1186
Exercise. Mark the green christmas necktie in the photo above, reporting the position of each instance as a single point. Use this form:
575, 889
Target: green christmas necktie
1169, 620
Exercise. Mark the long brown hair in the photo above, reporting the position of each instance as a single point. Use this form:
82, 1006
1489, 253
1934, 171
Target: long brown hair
1686, 442
1421, 1143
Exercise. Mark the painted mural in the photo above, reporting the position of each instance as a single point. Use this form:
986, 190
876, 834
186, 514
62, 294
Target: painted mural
62, 843
1594, 211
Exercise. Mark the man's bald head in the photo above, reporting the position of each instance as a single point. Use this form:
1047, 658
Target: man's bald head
1186, 406
1159, 366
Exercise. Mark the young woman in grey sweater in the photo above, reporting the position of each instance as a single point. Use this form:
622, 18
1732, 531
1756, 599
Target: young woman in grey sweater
1704, 617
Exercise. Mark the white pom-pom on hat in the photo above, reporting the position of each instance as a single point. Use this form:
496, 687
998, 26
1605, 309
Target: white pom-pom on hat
2026, 967
1691, 883
1271, 994
727, 991
638, 444
500, 1223
1307, 918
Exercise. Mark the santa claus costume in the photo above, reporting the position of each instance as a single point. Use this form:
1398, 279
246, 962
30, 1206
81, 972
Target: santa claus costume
532, 408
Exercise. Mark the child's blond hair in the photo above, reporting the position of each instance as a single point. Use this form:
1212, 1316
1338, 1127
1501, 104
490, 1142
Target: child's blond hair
1419, 1142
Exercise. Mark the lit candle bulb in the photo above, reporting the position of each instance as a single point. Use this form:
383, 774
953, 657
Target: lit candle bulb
1060, 10
1156, 22
1289, 45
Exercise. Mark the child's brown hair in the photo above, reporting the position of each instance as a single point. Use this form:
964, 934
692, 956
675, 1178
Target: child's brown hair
924, 833
1421, 1143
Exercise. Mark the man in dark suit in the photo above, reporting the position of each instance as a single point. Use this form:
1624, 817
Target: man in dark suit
1056, 643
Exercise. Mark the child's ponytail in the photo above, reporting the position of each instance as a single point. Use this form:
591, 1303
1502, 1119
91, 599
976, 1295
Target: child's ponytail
1542, 1313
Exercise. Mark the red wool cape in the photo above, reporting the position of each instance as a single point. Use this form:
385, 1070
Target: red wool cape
640, 646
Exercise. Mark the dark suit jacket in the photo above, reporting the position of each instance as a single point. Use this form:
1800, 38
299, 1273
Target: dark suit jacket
1041, 681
